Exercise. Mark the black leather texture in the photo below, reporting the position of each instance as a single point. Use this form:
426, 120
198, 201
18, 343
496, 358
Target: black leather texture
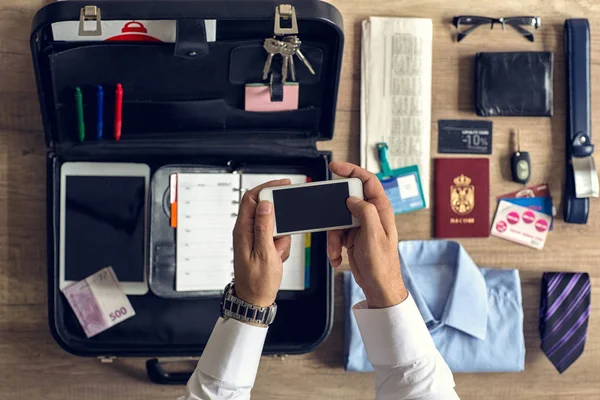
182, 326
191, 39
168, 94
276, 86
514, 84
190, 70
181, 108
578, 133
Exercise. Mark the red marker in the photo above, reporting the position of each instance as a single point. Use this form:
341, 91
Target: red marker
118, 111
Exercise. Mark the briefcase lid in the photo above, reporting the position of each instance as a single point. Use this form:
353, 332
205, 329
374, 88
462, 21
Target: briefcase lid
183, 66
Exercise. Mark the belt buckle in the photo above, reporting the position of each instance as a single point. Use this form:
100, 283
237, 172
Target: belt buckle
586, 177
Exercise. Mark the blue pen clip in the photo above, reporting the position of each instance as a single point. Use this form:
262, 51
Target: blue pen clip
100, 116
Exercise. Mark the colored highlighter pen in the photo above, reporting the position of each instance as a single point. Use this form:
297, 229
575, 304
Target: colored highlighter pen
118, 111
79, 109
100, 122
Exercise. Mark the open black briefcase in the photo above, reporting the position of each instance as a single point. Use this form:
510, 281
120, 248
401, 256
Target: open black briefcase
184, 105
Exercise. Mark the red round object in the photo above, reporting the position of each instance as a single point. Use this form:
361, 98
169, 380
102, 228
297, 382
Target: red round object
512, 217
528, 217
541, 225
134, 26
501, 226
134, 32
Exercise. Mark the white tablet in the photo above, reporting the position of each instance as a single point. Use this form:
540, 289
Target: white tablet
103, 222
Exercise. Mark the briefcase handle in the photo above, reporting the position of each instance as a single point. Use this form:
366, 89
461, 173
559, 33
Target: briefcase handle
158, 375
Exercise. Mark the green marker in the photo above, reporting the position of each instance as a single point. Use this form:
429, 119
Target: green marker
79, 107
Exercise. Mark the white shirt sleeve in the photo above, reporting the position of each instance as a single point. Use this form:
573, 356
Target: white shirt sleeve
406, 362
228, 366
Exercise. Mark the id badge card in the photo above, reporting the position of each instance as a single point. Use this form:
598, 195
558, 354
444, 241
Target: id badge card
404, 190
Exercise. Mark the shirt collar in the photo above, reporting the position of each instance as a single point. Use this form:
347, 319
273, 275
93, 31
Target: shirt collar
466, 307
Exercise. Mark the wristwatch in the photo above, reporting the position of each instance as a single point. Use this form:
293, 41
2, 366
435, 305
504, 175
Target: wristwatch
240, 310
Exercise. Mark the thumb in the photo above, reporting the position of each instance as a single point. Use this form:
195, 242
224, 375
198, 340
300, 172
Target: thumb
364, 211
264, 224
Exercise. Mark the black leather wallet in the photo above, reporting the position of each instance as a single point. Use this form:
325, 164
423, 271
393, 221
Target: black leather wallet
514, 84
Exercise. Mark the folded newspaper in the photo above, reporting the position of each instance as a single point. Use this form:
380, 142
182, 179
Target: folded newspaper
396, 93
99, 302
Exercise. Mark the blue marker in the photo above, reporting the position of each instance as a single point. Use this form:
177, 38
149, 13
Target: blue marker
100, 100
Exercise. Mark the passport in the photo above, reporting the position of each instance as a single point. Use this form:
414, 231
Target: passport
462, 197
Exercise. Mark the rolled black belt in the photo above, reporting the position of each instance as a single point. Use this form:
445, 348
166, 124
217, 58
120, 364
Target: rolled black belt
581, 176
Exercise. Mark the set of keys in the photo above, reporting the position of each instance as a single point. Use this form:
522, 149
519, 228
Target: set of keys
288, 47
285, 43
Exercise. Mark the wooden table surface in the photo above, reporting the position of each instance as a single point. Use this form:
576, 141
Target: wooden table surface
34, 367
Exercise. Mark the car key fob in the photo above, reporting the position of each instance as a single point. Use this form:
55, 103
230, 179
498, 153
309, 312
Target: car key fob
520, 167
520, 163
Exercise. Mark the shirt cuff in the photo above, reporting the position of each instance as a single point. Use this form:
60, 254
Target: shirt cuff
393, 336
233, 352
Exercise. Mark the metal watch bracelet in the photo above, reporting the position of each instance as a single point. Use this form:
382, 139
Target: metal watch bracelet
235, 308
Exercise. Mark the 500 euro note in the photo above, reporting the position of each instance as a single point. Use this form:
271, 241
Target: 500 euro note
99, 302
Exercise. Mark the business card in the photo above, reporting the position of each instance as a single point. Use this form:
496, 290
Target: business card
464, 137
521, 225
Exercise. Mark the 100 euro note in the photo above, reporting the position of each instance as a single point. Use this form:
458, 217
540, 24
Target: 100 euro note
99, 302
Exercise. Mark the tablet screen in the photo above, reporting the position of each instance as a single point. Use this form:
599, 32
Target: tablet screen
104, 226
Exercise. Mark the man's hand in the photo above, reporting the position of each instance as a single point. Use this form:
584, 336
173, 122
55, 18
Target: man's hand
372, 247
258, 257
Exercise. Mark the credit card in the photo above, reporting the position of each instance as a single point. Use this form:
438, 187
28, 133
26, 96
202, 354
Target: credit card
464, 137
539, 204
521, 225
542, 190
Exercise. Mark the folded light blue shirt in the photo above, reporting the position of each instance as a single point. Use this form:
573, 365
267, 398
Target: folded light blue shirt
474, 315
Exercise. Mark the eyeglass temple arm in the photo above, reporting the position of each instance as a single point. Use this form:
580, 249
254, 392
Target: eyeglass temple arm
461, 35
528, 35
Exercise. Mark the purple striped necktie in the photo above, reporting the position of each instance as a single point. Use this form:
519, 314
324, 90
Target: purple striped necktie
564, 315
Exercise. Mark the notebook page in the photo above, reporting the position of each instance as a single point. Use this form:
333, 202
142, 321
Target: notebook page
396, 64
294, 269
206, 214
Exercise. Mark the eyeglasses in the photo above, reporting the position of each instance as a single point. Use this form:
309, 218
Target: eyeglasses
468, 23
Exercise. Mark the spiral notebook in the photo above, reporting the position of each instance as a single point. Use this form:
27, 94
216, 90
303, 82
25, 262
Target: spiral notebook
207, 206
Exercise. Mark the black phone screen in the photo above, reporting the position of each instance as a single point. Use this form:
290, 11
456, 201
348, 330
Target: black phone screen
311, 207
104, 226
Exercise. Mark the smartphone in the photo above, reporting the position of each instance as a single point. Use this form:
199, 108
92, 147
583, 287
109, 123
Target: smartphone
103, 222
313, 207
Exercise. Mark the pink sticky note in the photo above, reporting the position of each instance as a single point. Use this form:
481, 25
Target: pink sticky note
258, 98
